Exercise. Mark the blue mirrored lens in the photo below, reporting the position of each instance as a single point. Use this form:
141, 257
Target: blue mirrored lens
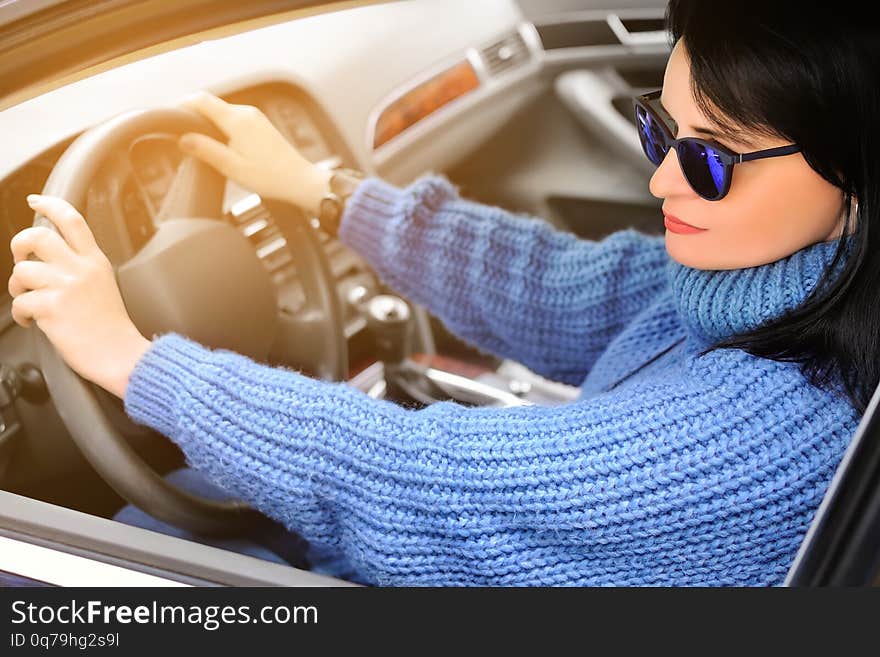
703, 168
651, 136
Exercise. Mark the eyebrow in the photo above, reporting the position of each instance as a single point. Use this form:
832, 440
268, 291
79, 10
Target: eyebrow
721, 135
708, 132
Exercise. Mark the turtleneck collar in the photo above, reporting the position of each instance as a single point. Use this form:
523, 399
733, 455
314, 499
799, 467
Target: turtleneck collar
715, 304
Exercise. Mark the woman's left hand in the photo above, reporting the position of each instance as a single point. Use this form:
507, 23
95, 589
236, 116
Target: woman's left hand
72, 295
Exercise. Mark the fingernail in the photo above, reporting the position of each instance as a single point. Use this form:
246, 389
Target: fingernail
33, 198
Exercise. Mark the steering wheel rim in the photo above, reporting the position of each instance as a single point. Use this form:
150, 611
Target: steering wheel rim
100, 441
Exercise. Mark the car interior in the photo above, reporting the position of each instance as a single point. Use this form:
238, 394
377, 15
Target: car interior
524, 104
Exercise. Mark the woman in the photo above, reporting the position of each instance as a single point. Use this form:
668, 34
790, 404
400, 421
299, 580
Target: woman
723, 367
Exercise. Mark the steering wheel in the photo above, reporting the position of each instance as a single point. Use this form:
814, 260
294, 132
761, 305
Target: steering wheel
197, 275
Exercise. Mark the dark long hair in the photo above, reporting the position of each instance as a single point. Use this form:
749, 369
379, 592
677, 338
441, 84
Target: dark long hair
808, 73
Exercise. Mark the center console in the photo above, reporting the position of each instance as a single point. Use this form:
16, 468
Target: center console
391, 347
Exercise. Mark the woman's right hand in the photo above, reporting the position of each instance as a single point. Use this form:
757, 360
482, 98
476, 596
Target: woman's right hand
257, 156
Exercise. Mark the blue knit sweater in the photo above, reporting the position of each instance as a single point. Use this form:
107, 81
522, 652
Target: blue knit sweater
670, 469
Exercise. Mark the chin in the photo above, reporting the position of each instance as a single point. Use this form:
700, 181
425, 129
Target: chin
702, 255
689, 254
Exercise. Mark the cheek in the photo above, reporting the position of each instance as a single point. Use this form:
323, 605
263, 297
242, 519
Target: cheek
771, 212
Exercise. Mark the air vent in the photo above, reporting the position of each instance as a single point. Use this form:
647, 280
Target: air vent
503, 55
255, 223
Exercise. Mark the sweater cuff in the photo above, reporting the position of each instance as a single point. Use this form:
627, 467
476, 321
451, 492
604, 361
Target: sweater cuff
376, 207
161, 374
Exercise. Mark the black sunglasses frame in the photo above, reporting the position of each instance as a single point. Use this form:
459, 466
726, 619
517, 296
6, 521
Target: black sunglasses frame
727, 157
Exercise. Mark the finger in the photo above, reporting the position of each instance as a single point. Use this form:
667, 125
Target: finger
29, 275
218, 155
70, 222
30, 306
43, 242
217, 110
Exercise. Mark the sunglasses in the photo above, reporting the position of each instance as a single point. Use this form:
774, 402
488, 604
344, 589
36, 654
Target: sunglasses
707, 167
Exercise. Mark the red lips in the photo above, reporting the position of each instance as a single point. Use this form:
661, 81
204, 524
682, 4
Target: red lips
676, 225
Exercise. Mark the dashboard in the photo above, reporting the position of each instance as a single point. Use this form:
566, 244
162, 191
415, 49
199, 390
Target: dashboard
133, 183
324, 100
142, 177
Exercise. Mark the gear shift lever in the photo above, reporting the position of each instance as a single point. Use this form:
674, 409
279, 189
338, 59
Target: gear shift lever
389, 322
388, 319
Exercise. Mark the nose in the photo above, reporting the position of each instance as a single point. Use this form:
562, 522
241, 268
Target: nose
668, 180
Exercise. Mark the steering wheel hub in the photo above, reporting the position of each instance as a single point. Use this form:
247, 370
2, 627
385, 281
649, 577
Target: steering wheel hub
172, 284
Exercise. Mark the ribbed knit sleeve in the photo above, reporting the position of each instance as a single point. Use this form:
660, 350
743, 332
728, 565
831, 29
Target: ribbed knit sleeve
705, 476
510, 284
